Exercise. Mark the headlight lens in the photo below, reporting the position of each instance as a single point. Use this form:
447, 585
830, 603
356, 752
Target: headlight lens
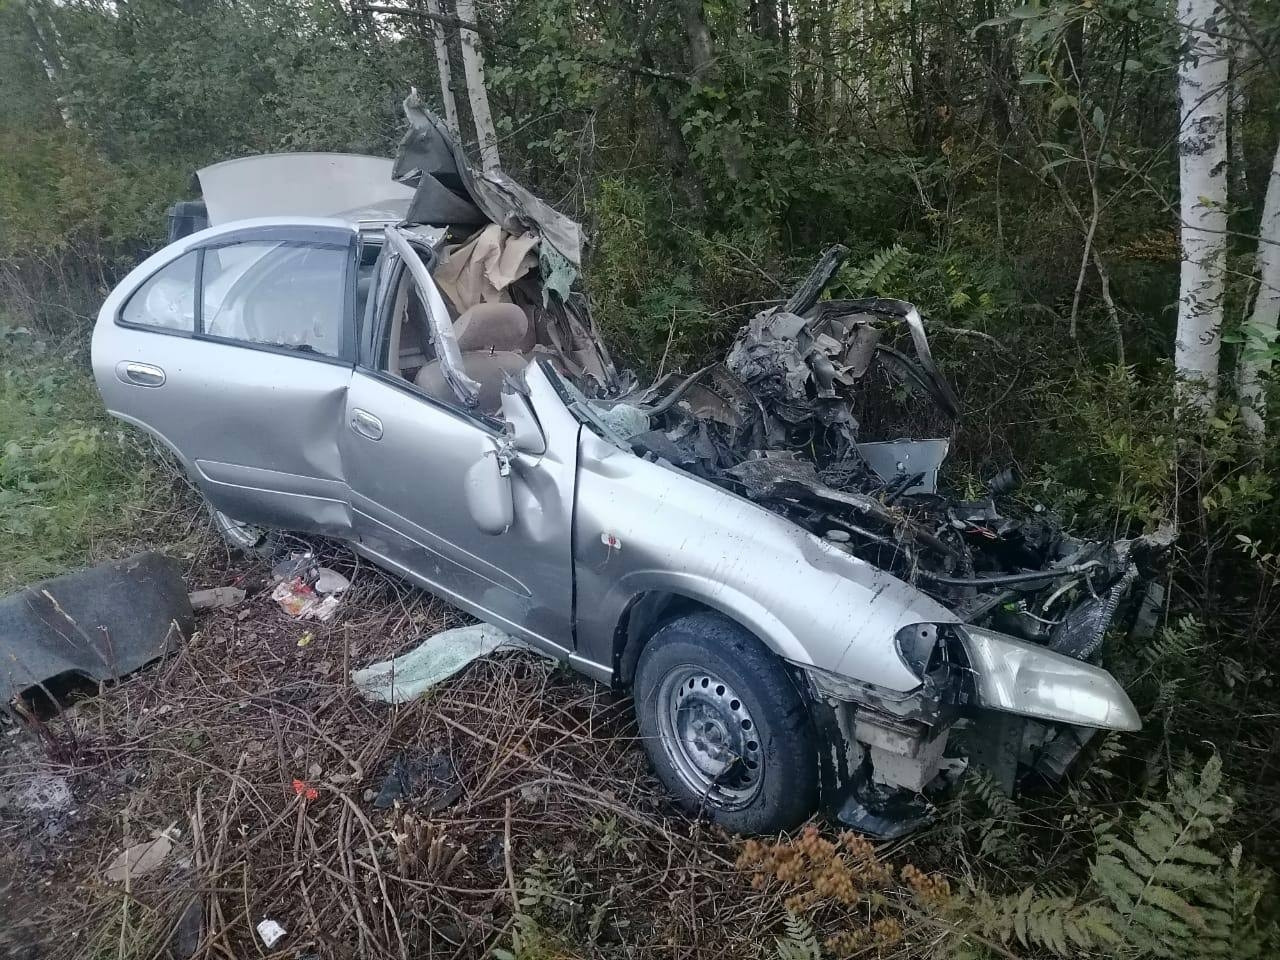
1022, 678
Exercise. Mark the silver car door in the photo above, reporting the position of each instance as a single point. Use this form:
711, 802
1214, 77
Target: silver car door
407, 455
234, 347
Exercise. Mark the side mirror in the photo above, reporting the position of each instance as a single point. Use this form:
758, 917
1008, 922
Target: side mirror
488, 493
522, 423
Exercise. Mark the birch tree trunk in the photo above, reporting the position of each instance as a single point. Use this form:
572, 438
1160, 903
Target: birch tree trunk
44, 39
477, 92
1203, 90
1260, 332
443, 66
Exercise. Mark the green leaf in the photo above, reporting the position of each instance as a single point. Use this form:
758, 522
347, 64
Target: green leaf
1064, 102
1032, 77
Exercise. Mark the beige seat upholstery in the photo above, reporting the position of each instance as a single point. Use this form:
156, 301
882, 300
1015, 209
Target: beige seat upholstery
494, 327
485, 367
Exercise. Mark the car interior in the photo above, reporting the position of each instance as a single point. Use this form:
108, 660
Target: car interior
495, 339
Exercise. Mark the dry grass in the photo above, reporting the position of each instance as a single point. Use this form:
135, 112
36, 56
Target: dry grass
558, 813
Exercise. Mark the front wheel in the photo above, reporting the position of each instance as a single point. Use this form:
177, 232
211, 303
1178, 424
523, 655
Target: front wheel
724, 726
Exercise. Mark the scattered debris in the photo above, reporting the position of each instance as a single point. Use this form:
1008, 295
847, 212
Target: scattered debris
298, 564
330, 581
417, 775
38, 795
140, 858
188, 931
306, 590
101, 623
270, 932
437, 658
216, 598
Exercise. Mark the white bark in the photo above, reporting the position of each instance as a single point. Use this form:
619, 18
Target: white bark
1239, 110
1203, 88
444, 68
477, 93
1260, 331
45, 41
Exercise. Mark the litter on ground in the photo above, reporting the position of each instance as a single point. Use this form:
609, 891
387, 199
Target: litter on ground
437, 658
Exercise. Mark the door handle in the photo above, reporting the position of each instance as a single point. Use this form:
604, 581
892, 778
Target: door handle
366, 424
139, 374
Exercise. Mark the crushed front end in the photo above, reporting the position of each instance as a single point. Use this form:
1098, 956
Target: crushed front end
804, 417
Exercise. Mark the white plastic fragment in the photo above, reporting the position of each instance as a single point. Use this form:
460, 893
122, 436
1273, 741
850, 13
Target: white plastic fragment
216, 597
330, 581
139, 858
437, 658
270, 932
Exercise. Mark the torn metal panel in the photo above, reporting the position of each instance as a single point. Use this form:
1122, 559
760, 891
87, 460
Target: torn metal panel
920, 460
449, 190
101, 623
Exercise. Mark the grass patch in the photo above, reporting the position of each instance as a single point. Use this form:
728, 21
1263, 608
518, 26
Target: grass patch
75, 486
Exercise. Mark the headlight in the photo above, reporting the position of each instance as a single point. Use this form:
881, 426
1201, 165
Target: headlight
1022, 678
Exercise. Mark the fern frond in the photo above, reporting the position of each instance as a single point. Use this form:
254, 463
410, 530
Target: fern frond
1156, 888
880, 272
800, 942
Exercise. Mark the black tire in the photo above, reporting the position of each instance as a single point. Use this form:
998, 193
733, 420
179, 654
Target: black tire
704, 676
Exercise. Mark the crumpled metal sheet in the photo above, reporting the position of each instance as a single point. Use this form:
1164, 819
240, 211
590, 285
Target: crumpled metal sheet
449, 190
101, 623
792, 372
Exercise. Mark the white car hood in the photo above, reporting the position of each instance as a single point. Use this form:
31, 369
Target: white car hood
346, 186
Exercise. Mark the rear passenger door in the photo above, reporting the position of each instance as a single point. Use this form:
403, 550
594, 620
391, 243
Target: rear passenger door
235, 348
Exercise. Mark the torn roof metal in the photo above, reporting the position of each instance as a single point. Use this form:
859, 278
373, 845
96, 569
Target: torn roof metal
449, 189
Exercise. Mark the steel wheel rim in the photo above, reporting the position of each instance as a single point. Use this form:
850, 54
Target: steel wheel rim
242, 536
710, 737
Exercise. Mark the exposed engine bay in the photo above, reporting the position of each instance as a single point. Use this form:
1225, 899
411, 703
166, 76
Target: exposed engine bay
783, 421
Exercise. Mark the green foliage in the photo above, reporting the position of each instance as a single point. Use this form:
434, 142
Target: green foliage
799, 942
1159, 886
989, 822
73, 486
205, 82
529, 941
59, 196
960, 289
554, 894
1119, 468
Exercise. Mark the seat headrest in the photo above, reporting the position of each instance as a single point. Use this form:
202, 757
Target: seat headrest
494, 326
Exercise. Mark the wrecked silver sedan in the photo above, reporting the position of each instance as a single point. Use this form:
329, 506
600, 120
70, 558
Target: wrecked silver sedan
396, 357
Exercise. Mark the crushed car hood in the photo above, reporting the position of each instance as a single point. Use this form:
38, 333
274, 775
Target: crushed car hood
806, 416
